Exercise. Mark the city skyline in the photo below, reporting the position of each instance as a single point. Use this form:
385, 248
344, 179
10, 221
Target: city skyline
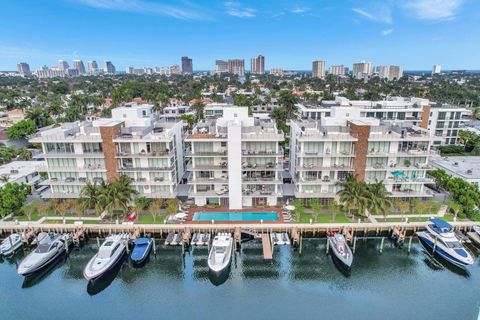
433, 31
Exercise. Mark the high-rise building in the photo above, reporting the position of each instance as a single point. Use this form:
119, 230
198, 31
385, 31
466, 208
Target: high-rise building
339, 70
132, 142
187, 65
235, 160
318, 69
276, 72
221, 66
129, 70
362, 70
24, 69
93, 67
109, 68
237, 67
79, 66
175, 69
437, 69
257, 65
390, 72
63, 65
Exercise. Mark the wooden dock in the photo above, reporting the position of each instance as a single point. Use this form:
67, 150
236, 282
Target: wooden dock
267, 247
474, 237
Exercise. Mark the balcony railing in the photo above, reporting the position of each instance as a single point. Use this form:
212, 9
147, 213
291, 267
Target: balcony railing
145, 154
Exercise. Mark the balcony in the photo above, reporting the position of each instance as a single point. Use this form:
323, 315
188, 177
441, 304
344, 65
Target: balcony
327, 137
259, 167
129, 169
99, 154
88, 168
327, 154
219, 153
214, 180
256, 153
312, 167
213, 167
314, 194
156, 154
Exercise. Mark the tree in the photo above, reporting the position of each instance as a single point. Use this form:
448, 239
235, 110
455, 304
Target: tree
299, 209
172, 206
32, 208
333, 208
316, 207
21, 129
353, 194
155, 207
380, 201
141, 203
198, 106
288, 100
455, 207
118, 195
189, 119
12, 197
90, 197
242, 100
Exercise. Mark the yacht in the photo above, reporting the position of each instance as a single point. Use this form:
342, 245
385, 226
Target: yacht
11, 244
49, 248
221, 252
110, 252
341, 250
440, 238
142, 249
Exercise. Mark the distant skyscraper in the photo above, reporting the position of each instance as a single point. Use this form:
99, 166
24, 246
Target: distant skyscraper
92, 67
221, 66
187, 65
62, 65
175, 69
318, 69
78, 64
276, 72
236, 66
24, 69
339, 70
437, 69
129, 70
390, 72
257, 65
109, 68
362, 70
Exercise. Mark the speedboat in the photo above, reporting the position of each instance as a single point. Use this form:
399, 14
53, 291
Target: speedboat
340, 249
11, 244
49, 248
476, 229
110, 252
221, 252
440, 238
142, 249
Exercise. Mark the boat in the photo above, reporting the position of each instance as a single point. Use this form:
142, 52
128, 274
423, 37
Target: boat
142, 249
11, 244
440, 239
177, 239
110, 252
476, 229
205, 239
221, 252
340, 249
49, 248
195, 238
285, 238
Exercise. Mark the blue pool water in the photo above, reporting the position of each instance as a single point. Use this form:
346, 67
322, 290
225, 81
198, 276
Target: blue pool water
235, 216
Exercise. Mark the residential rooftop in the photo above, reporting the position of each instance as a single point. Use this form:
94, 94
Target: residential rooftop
464, 167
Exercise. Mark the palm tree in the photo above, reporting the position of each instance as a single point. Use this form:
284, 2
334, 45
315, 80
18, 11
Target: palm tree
118, 195
380, 200
317, 207
353, 194
288, 101
90, 197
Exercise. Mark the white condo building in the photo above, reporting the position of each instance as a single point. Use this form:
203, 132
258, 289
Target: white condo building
235, 160
324, 151
443, 120
362, 70
132, 142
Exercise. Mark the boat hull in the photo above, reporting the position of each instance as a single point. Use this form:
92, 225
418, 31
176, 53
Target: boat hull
429, 244
345, 261
41, 265
91, 276
141, 258
8, 249
218, 268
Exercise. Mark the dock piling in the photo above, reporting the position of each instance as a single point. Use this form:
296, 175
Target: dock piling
328, 245
98, 242
381, 244
410, 244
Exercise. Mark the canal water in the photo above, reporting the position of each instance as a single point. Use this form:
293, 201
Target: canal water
388, 285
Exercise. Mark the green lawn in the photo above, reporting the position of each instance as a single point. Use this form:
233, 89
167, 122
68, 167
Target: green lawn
34, 217
148, 219
323, 218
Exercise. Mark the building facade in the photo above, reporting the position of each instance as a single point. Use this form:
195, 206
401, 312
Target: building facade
442, 120
318, 69
24, 69
221, 66
79, 66
109, 68
339, 70
437, 69
237, 67
276, 72
390, 72
257, 65
93, 67
235, 160
323, 152
133, 143
187, 65
362, 70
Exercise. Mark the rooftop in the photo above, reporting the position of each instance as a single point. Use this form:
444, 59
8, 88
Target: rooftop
18, 169
464, 167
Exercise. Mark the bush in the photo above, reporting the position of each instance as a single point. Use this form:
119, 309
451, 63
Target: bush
452, 149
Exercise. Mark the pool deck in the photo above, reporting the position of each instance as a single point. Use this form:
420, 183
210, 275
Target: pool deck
191, 211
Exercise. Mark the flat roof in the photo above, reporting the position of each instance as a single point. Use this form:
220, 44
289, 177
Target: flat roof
18, 169
463, 167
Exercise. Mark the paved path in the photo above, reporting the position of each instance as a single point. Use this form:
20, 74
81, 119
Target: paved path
439, 214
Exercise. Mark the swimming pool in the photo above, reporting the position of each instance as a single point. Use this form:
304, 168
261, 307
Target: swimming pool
236, 216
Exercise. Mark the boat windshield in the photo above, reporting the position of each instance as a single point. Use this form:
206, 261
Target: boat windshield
43, 248
220, 249
453, 244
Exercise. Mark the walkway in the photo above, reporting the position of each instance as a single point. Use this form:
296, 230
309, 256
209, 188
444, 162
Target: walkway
441, 213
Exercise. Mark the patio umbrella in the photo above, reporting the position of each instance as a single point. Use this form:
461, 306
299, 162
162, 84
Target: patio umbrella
290, 207
180, 215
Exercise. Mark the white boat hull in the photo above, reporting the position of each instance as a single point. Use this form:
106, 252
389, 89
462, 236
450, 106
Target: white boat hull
217, 263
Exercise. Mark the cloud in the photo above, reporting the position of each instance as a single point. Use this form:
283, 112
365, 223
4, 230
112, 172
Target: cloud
188, 11
387, 32
434, 9
299, 10
379, 13
236, 9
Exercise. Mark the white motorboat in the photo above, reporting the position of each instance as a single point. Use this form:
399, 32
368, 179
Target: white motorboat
110, 252
11, 244
440, 239
221, 252
48, 249
476, 229
340, 249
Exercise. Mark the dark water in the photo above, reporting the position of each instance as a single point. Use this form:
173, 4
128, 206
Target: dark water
391, 285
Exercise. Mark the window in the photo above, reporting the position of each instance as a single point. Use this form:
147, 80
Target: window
442, 115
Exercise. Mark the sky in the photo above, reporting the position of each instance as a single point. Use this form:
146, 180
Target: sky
415, 34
